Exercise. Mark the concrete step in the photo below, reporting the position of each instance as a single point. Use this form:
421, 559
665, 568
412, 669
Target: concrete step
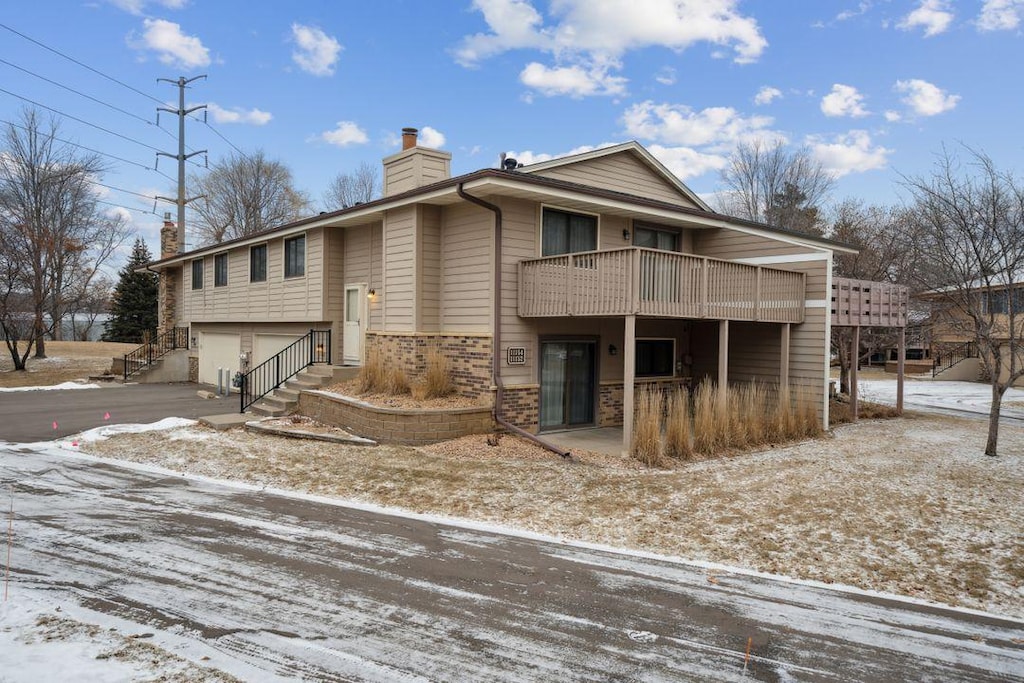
265, 410
286, 393
299, 383
343, 373
313, 378
275, 401
321, 370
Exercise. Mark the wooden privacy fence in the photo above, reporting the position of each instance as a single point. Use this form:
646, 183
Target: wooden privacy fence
650, 282
863, 303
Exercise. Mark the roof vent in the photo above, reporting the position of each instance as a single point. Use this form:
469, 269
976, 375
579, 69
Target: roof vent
510, 164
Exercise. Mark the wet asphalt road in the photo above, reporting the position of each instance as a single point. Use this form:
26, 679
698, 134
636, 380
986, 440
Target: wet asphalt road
274, 587
28, 416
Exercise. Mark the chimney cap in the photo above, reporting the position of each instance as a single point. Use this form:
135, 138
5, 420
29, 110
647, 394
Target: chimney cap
409, 138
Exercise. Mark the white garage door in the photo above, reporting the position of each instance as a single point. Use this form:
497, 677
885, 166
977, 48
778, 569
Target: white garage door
266, 346
218, 350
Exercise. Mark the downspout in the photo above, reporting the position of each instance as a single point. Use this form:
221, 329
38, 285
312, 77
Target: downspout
496, 342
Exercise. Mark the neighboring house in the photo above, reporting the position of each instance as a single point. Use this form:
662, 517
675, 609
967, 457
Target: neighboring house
998, 306
611, 274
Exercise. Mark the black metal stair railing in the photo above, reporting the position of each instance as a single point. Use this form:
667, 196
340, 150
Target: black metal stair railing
313, 348
144, 356
947, 359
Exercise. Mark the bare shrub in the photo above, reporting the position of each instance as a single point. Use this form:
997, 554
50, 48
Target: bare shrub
437, 379
646, 445
678, 432
707, 434
373, 375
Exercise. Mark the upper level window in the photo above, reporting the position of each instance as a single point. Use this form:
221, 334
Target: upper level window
563, 232
655, 238
295, 256
655, 357
220, 270
197, 274
258, 263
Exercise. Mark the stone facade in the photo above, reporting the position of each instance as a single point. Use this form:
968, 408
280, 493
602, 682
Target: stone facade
168, 287
521, 407
193, 369
469, 357
394, 425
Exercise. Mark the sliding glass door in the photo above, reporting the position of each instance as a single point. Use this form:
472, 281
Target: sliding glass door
567, 382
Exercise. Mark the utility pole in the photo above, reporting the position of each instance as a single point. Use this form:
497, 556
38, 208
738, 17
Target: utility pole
181, 113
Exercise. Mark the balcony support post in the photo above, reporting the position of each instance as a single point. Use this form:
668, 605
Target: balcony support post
854, 362
901, 354
723, 360
628, 382
784, 356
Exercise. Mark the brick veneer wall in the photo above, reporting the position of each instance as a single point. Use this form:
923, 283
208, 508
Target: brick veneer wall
469, 357
395, 425
521, 407
610, 405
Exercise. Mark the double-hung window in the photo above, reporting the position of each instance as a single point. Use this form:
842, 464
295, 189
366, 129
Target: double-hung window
258, 263
295, 256
220, 270
563, 232
197, 274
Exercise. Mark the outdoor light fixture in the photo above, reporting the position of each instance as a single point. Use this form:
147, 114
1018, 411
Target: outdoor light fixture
613, 350
372, 293
319, 349
625, 234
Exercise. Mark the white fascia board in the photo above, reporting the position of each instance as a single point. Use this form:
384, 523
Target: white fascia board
782, 258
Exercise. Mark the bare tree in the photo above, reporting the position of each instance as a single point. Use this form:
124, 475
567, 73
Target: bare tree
349, 189
54, 237
770, 184
973, 220
243, 195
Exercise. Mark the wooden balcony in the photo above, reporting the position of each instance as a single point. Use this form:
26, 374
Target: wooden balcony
863, 303
647, 282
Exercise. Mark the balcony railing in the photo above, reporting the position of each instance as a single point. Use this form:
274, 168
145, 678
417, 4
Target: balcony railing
864, 303
635, 281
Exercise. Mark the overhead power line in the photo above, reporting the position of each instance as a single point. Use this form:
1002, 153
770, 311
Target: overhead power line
88, 149
81, 64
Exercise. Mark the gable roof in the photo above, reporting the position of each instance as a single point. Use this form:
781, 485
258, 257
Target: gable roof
631, 147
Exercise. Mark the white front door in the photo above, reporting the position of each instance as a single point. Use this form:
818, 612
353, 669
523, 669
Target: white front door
355, 324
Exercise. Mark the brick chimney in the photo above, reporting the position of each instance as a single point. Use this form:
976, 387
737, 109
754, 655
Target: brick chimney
414, 166
168, 237
169, 277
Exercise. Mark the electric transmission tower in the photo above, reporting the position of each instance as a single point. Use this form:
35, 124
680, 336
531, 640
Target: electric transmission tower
181, 112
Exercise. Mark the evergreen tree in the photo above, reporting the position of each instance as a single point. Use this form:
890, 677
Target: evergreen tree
133, 307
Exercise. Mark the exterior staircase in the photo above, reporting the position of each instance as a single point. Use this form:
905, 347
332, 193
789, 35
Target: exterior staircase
284, 399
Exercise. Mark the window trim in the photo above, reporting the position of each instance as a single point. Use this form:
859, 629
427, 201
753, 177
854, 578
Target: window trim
554, 207
201, 261
644, 225
284, 256
636, 357
217, 260
266, 253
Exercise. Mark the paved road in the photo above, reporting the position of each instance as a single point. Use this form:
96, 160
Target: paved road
27, 416
272, 587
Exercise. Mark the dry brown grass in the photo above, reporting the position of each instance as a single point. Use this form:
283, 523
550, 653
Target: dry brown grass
678, 432
706, 430
437, 379
66, 361
372, 376
839, 411
908, 506
646, 445
396, 382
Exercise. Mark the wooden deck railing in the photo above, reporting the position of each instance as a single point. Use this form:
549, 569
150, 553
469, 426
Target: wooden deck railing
864, 303
657, 283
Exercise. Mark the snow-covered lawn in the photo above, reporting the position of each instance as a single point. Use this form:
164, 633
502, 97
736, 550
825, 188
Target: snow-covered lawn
970, 397
907, 506
53, 387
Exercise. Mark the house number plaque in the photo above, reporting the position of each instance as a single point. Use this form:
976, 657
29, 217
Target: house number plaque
516, 355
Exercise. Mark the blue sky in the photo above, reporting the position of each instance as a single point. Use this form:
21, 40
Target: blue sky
872, 88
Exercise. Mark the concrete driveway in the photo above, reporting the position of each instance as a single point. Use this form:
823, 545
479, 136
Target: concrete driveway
27, 416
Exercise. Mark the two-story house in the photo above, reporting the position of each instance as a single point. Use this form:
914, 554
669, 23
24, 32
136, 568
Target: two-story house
555, 289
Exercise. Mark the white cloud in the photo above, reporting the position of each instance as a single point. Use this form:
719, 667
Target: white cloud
893, 116
766, 94
172, 46
317, 52
345, 134
574, 81
844, 100
666, 76
431, 137
685, 162
677, 124
138, 7
849, 153
862, 8
931, 15
256, 117
1000, 15
924, 98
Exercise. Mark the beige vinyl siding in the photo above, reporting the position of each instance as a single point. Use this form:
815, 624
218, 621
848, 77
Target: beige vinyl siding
363, 264
299, 298
399, 269
429, 287
520, 240
755, 352
621, 172
466, 247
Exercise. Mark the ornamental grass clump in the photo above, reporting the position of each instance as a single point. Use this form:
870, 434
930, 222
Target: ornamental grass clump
437, 378
646, 446
373, 375
678, 431
709, 419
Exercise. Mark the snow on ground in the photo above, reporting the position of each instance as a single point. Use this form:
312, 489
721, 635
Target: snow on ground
40, 641
52, 387
969, 397
907, 506
171, 424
